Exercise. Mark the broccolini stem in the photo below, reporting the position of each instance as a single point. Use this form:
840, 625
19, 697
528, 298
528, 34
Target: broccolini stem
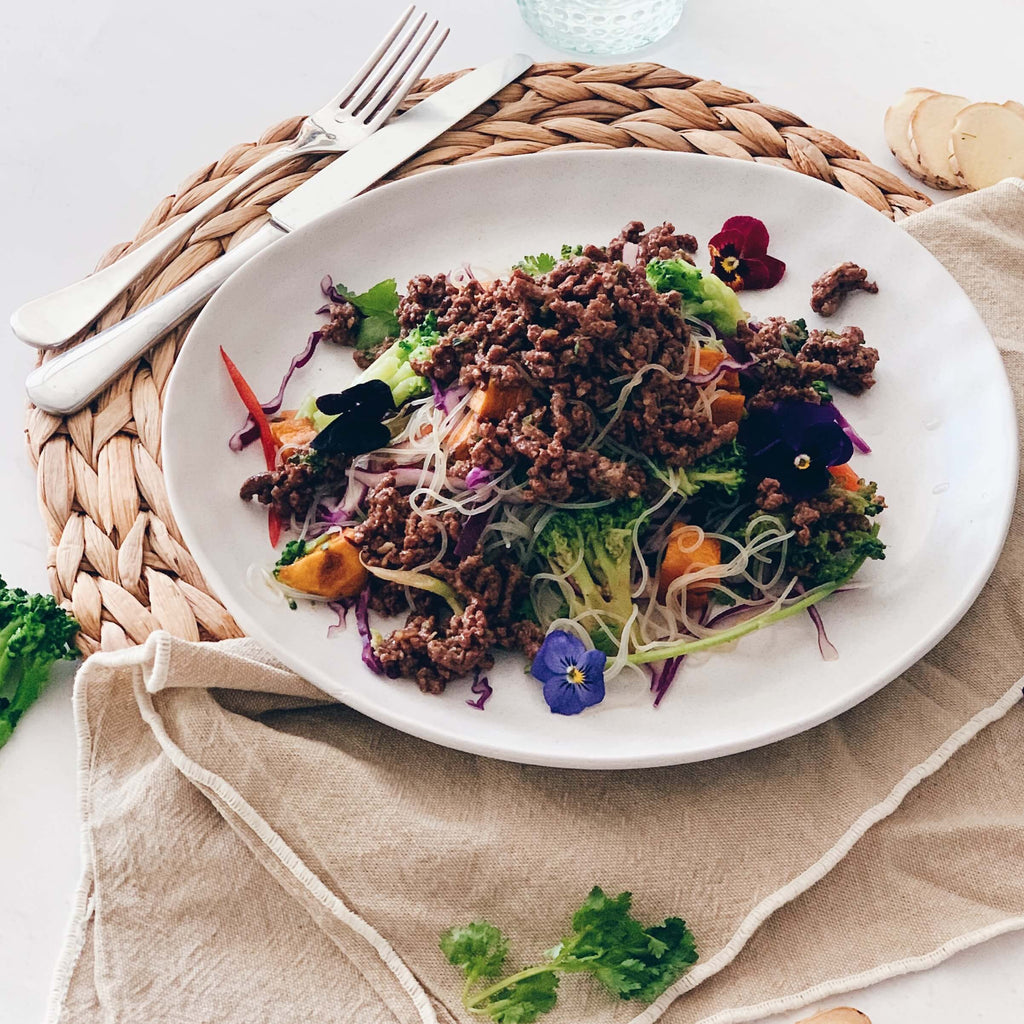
678, 649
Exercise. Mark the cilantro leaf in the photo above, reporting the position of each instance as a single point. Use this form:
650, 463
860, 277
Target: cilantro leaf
537, 265
568, 251
631, 961
478, 948
378, 306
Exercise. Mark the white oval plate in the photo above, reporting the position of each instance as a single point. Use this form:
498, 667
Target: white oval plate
941, 387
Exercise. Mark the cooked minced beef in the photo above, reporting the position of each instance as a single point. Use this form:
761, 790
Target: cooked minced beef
836, 507
344, 319
434, 646
828, 292
786, 368
291, 489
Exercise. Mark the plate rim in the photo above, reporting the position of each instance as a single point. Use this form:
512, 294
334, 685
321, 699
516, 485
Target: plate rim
466, 742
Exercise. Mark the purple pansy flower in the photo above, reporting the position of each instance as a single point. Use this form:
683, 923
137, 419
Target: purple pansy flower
795, 443
573, 676
739, 255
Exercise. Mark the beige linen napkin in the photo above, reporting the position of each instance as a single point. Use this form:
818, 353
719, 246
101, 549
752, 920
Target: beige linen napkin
254, 852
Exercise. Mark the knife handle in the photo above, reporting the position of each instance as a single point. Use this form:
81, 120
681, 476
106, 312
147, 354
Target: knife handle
54, 319
65, 383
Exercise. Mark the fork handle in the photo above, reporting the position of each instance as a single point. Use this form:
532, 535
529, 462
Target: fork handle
65, 383
56, 318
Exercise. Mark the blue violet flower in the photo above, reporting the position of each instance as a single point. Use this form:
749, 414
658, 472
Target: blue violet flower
573, 676
795, 443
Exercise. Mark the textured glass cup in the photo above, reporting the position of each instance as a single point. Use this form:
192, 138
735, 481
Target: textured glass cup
601, 26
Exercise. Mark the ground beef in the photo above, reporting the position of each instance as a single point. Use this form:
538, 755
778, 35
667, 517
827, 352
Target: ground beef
291, 489
659, 243
434, 646
841, 359
828, 292
834, 507
790, 358
341, 328
570, 336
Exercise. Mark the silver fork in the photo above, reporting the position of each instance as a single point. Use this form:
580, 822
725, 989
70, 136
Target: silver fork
362, 106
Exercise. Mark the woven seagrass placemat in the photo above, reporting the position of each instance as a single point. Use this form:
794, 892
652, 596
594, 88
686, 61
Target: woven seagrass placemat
116, 557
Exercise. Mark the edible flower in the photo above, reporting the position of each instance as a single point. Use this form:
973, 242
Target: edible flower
359, 411
739, 255
573, 676
795, 443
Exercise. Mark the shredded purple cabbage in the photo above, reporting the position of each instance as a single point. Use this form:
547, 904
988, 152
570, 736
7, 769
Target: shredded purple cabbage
440, 397
827, 648
664, 678
477, 477
370, 659
248, 432
482, 688
723, 367
472, 530
341, 609
858, 442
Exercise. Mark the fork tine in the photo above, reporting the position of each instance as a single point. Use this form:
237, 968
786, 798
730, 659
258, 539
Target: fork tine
371, 62
384, 66
407, 77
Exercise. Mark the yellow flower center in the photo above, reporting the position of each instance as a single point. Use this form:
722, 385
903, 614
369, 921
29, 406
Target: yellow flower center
730, 264
574, 675
802, 461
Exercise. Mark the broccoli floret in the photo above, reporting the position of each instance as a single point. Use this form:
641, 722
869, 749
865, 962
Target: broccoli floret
704, 295
393, 365
723, 472
862, 502
841, 538
34, 633
593, 550
822, 561
291, 552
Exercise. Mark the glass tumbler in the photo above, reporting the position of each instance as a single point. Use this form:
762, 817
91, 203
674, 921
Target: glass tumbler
601, 26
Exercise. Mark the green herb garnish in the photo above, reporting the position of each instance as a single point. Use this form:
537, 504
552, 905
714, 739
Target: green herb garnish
606, 941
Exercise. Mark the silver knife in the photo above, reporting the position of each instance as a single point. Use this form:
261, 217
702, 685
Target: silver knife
69, 381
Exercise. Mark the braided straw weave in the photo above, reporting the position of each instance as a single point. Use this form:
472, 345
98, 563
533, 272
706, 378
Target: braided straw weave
117, 560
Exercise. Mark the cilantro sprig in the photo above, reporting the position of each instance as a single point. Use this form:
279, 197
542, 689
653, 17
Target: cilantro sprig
606, 941
544, 262
378, 307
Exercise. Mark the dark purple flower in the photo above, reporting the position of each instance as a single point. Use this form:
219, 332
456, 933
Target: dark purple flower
795, 443
739, 255
359, 410
573, 676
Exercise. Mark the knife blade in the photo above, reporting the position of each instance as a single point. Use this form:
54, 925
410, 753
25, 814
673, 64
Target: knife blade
65, 383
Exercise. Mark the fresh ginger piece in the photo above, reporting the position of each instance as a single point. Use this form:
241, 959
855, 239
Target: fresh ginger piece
987, 144
929, 129
897, 126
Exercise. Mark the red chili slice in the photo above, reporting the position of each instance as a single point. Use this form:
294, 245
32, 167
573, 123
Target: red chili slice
252, 404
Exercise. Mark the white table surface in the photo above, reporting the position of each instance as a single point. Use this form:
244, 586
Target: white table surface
108, 104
